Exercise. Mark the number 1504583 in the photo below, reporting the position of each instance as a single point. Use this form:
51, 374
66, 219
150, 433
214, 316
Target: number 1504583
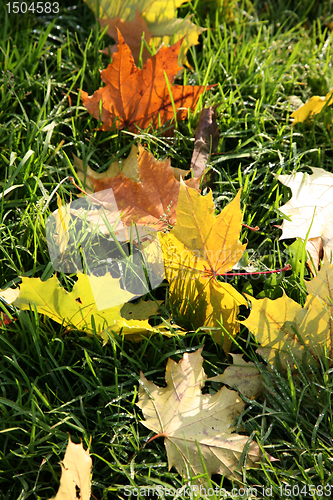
32, 7
306, 490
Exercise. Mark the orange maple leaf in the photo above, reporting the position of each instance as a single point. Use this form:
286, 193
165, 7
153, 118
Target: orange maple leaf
152, 201
140, 97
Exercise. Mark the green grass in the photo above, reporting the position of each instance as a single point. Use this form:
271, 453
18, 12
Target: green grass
54, 382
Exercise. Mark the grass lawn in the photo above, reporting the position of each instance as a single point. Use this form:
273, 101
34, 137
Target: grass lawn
54, 382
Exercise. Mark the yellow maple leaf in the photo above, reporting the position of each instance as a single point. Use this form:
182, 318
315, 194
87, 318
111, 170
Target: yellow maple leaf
159, 17
77, 307
188, 419
312, 107
75, 473
278, 324
195, 252
243, 376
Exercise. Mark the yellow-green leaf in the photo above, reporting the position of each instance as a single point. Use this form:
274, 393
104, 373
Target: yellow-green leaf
141, 310
89, 297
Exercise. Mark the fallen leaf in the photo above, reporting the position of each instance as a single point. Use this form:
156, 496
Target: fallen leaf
277, 324
243, 376
196, 251
93, 293
129, 167
176, 29
206, 140
152, 10
150, 202
139, 98
9, 295
311, 108
75, 473
314, 247
132, 32
157, 20
5, 319
142, 310
188, 420
310, 210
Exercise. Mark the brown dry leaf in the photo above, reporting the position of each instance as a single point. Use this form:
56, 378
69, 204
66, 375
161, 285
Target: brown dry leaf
188, 419
5, 319
243, 376
139, 98
206, 140
132, 32
148, 202
75, 473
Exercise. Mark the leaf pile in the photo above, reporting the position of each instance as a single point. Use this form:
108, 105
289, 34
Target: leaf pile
198, 249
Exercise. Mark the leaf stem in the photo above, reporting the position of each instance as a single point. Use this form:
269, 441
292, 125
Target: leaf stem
285, 268
71, 179
256, 228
